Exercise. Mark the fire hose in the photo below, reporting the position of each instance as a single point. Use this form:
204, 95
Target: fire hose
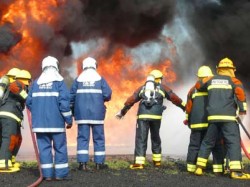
241, 142
39, 180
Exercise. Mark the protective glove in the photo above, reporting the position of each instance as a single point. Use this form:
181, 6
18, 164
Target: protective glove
119, 115
68, 126
185, 122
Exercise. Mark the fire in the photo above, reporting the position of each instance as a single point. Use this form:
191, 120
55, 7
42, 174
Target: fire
21, 14
119, 69
124, 78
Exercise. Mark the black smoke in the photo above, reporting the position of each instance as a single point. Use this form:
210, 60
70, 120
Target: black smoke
8, 37
223, 29
120, 21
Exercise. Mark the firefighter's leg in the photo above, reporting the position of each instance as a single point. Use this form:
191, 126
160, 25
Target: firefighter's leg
156, 142
206, 147
61, 155
231, 135
17, 147
193, 149
99, 146
142, 128
0, 135
83, 143
8, 141
218, 156
44, 143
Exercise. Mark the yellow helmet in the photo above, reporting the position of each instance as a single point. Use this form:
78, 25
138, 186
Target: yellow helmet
204, 71
226, 63
24, 76
13, 72
156, 73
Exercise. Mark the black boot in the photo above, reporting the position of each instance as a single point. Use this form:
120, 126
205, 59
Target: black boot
101, 166
83, 166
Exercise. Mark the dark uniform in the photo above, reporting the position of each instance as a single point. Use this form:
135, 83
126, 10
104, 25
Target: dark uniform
197, 121
149, 118
11, 116
225, 95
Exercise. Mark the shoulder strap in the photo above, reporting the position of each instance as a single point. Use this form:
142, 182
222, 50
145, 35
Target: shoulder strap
5, 96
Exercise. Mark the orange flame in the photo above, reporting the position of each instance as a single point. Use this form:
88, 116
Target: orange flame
120, 71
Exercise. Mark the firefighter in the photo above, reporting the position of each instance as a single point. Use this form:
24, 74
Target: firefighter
197, 121
11, 116
4, 83
225, 96
150, 97
12, 77
49, 103
89, 92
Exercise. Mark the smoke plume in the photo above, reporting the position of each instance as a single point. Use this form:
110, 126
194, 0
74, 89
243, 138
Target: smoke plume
222, 28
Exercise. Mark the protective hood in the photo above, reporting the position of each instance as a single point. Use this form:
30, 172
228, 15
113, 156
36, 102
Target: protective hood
50, 74
89, 75
226, 71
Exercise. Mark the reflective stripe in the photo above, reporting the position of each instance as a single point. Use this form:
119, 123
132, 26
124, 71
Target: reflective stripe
82, 152
149, 116
245, 105
183, 103
65, 114
191, 167
198, 94
90, 121
140, 160
44, 166
2, 163
218, 117
24, 94
48, 129
219, 86
201, 162
46, 94
199, 125
156, 157
235, 165
186, 116
89, 91
217, 168
162, 93
99, 153
60, 166
10, 115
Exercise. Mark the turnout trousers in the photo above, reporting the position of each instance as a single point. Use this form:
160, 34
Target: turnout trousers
196, 138
57, 166
9, 131
231, 136
141, 139
83, 139
18, 141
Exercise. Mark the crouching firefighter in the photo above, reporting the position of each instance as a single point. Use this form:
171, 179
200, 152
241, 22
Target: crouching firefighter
11, 116
149, 115
196, 114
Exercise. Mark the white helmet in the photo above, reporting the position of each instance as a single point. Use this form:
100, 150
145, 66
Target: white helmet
50, 61
88, 63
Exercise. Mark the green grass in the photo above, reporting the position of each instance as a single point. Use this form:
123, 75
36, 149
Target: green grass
169, 165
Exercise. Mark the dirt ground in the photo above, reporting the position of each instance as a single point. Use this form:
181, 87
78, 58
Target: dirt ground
172, 173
